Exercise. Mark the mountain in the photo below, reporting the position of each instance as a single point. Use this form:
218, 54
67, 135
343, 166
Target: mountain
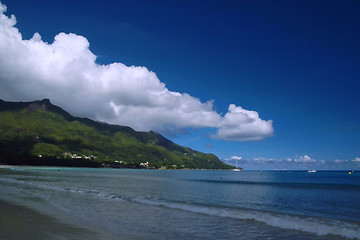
40, 133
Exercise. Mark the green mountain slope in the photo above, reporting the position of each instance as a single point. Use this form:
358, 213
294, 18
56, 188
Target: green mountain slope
39, 133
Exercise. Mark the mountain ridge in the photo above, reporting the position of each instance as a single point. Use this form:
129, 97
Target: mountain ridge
40, 133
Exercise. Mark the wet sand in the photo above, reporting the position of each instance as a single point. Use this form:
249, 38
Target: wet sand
18, 223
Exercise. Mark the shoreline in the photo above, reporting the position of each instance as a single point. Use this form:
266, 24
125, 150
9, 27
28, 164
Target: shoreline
18, 222
181, 169
112, 207
21, 222
188, 169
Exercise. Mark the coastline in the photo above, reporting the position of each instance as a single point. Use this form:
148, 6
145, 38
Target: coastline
162, 169
7, 166
20, 222
39, 221
137, 205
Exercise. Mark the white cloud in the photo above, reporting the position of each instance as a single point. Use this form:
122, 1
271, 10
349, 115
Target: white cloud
356, 161
278, 161
65, 72
300, 163
240, 124
235, 160
305, 159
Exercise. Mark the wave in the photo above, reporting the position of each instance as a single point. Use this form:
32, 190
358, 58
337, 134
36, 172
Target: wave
319, 226
334, 186
315, 225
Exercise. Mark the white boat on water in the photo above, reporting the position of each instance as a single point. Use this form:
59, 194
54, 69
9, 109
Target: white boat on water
236, 169
311, 171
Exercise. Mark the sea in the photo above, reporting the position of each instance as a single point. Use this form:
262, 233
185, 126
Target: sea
88, 203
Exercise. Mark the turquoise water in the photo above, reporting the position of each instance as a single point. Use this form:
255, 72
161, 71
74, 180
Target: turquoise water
154, 204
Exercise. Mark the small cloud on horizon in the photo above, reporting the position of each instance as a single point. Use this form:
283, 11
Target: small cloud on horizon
301, 163
66, 72
304, 159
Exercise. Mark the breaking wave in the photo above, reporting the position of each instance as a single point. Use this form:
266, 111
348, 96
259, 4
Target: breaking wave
319, 226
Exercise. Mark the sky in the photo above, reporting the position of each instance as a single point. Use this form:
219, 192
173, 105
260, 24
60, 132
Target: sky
266, 84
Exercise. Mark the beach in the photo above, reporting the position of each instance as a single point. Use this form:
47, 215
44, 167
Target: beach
85, 203
19, 222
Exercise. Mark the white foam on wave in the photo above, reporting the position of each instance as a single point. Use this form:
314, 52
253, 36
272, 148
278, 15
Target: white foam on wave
319, 226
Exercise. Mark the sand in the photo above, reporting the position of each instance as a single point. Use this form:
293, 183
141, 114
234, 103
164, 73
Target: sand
18, 222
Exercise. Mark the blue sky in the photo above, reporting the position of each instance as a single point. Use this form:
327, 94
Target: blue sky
293, 62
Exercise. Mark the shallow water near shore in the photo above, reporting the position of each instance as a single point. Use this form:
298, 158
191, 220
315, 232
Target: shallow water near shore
18, 222
150, 204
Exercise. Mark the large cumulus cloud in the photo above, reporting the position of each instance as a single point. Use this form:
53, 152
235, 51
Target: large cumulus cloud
65, 71
240, 124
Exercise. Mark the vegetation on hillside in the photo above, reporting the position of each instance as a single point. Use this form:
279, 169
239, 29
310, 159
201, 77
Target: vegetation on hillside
39, 133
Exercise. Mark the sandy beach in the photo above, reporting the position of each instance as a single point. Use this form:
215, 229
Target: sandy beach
18, 222
83, 203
